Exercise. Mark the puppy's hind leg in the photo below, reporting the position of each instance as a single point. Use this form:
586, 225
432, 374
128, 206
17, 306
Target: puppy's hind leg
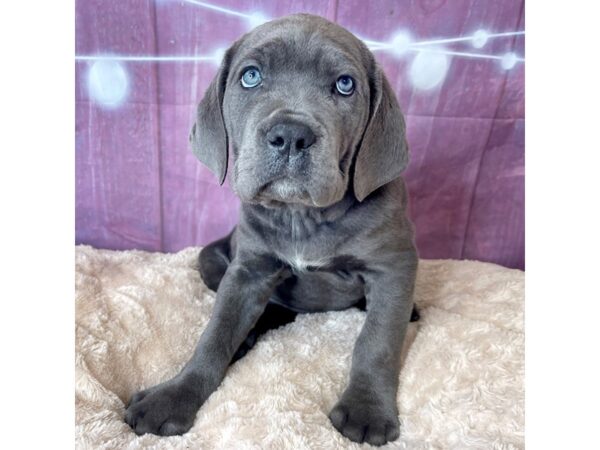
414, 316
273, 317
213, 262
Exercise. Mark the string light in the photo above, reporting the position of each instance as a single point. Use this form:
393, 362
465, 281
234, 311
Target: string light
254, 19
108, 83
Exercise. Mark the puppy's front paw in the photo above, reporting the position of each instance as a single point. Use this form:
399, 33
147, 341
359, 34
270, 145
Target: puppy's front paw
166, 409
362, 418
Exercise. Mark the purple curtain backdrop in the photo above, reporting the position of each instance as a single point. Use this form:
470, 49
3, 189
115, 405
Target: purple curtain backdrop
139, 186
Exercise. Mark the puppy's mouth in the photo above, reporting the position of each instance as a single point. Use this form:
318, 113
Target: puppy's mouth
284, 190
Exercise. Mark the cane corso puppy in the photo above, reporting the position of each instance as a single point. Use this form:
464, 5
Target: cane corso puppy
317, 144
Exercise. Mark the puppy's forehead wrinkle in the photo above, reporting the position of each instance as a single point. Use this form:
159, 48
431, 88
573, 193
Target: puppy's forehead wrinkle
298, 58
303, 42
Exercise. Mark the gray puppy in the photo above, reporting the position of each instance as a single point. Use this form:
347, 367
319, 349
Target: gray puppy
318, 146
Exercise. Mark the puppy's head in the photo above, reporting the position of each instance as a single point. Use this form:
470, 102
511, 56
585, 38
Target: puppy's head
306, 111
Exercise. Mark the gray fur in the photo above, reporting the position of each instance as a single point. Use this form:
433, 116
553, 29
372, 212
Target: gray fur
320, 227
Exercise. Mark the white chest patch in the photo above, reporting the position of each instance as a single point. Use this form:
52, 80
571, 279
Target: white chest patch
301, 264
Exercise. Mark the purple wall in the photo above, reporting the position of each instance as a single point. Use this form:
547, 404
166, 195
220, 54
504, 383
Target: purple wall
139, 186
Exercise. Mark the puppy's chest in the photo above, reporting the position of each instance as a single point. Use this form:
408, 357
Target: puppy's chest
323, 258
308, 244
305, 262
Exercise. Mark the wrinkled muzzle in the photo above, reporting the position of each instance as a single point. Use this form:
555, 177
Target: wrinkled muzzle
290, 158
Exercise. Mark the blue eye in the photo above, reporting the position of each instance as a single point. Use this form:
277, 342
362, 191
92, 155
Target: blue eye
345, 85
251, 77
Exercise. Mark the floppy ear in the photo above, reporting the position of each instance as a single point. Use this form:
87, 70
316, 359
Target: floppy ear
383, 152
209, 136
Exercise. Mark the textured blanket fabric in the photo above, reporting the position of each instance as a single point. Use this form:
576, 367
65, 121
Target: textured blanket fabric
138, 316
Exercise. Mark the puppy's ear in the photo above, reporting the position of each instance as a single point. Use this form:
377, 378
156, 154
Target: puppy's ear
209, 136
383, 152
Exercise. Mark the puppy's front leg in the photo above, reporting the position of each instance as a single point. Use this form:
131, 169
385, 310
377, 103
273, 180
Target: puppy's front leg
367, 410
170, 407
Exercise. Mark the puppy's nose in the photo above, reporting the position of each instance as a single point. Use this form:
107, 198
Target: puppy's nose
292, 136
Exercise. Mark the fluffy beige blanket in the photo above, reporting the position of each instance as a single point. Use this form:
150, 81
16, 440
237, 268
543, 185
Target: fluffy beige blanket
138, 316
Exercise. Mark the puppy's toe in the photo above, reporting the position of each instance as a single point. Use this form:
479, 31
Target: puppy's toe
355, 432
376, 434
346, 423
170, 428
338, 416
131, 418
136, 398
392, 432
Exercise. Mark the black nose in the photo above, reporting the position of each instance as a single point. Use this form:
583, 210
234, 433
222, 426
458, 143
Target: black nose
286, 136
